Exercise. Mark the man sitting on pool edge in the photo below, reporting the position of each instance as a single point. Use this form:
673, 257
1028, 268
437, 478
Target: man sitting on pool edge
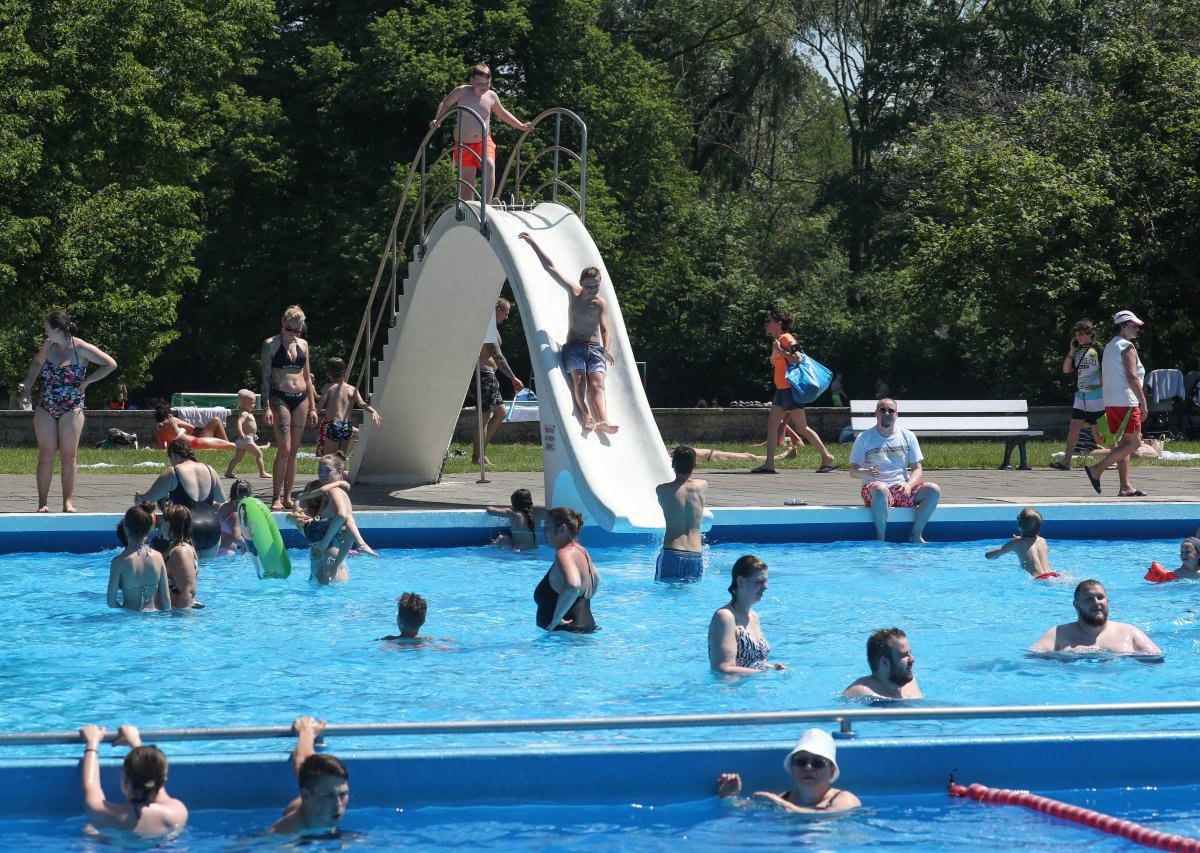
324, 785
1092, 632
890, 657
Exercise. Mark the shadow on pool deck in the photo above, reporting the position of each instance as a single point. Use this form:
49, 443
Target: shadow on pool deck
114, 492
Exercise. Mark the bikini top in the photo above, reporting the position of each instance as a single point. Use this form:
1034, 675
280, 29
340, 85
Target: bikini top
281, 360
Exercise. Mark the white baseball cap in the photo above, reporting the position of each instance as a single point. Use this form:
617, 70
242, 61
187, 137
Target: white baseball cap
1126, 317
815, 742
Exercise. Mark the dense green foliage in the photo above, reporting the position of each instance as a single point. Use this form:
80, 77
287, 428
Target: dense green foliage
936, 188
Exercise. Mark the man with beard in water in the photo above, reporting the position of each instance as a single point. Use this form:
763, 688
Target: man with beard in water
891, 660
1092, 632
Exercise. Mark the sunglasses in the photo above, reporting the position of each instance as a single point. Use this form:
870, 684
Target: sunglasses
295, 330
885, 411
813, 761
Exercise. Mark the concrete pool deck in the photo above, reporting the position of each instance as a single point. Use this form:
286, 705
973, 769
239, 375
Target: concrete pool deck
98, 493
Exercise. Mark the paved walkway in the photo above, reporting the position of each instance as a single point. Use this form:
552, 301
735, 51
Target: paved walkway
114, 492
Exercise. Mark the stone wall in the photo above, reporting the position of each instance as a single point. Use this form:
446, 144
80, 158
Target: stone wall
700, 426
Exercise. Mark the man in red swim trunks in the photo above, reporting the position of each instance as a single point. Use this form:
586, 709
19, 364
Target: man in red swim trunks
478, 96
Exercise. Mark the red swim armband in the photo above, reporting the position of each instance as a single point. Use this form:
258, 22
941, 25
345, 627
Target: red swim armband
1158, 574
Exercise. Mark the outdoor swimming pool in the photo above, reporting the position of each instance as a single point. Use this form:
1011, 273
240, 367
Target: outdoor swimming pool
265, 651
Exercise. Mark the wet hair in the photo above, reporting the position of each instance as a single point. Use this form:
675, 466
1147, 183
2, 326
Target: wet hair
241, 489
744, 568
1029, 522
410, 610
878, 644
161, 411
320, 764
522, 502
591, 272
1083, 586
139, 521
564, 515
335, 368
337, 461
683, 459
313, 502
60, 321
783, 318
1084, 325
479, 68
179, 523
182, 447
146, 772
293, 312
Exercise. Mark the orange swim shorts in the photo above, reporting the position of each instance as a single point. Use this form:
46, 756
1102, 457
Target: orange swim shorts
473, 153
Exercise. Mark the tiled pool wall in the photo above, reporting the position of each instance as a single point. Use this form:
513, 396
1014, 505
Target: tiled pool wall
82, 533
647, 774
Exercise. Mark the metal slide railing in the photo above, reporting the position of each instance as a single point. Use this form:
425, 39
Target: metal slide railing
844, 717
381, 307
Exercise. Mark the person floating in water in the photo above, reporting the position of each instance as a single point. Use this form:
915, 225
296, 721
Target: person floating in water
324, 785
410, 616
477, 95
1092, 631
151, 813
1029, 546
587, 354
890, 657
682, 502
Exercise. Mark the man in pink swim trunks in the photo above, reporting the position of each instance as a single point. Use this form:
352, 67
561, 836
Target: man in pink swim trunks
888, 459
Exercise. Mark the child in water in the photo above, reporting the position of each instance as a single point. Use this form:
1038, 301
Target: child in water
522, 520
1029, 546
321, 517
338, 399
232, 537
151, 813
245, 435
410, 616
138, 573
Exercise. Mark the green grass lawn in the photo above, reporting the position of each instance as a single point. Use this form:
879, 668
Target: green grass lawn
528, 457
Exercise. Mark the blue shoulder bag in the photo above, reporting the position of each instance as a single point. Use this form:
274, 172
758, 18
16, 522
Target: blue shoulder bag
808, 378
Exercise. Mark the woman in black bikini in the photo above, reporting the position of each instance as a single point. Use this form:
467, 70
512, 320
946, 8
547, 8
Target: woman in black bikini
291, 399
813, 765
564, 596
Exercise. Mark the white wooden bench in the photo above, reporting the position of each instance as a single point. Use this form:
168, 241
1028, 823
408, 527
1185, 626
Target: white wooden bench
1007, 419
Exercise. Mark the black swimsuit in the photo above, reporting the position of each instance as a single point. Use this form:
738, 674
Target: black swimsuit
579, 614
206, 529
282, 361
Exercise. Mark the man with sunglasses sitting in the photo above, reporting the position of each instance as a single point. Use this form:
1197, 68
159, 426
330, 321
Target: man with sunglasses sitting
889, 654
888, 459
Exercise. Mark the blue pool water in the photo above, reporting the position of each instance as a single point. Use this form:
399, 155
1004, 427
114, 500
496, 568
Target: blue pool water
264, 651
924, 822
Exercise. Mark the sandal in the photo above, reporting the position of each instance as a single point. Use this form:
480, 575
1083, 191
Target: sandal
1094, 479
1058, 466
825, 469
763, 471
1136, 493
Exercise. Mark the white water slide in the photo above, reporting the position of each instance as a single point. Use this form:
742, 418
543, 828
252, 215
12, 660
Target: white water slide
430, 355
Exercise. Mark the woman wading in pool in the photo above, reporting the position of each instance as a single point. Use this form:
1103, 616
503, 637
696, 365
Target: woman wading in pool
736, 645
813, 766
564, 596
195, 485
61, 364
291, 400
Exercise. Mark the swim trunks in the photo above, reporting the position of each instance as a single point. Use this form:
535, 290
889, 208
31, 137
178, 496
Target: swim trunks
339, 430
315, 529
1045, 576
896, 496
674, 566
584, 357
244, 441
1117, 415
489, 390
473, 153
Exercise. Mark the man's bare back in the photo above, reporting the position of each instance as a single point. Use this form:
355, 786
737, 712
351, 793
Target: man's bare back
682, 503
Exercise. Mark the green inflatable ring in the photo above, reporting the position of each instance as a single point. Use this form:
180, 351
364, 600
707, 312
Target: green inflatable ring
273, 560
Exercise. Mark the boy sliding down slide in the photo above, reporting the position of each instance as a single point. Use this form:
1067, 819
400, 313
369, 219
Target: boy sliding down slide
587, 350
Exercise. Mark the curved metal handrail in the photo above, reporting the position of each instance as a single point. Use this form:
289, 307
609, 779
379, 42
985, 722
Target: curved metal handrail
557, 148
844, 717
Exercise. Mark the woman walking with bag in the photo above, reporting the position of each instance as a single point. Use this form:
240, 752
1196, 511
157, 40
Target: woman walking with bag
783, 405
